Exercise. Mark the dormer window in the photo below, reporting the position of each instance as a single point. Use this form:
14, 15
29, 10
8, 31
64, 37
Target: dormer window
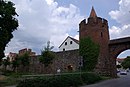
65, 43
63, 49
70, 42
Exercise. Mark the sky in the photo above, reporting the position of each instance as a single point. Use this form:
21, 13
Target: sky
53, 20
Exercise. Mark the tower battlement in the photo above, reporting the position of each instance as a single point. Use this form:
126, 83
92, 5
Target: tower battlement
97, 21
83, 22
95, 27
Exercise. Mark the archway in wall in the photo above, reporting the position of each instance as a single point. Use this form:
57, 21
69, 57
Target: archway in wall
124, 54
116, 47
70, 67
116, 51
120, 59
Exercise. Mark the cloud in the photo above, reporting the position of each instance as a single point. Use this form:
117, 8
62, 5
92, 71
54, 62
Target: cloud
119, 32
76, 37
40, 21
49, 2
122, 16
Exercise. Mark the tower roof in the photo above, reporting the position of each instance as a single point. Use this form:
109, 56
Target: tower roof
93, 13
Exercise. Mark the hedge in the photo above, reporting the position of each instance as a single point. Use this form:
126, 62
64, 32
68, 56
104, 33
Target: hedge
63, 80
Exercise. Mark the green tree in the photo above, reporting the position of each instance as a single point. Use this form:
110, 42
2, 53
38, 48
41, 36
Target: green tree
24, 59
47, 55
90, 52
126, 63
6, 62
8, 23
15, 63
24, 62
118, 66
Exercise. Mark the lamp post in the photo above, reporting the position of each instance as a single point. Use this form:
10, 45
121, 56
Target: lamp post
80, 64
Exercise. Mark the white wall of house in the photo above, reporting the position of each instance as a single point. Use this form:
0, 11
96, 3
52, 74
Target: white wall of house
68, 44
118, 63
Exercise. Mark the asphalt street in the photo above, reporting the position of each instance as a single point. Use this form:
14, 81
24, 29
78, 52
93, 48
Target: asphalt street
123, 81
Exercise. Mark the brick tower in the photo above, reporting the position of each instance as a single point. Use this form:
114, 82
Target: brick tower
97, 29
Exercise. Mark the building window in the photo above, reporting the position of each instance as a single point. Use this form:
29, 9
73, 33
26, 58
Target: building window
65, 43
70, 42
102, 25
63, 49
101, 34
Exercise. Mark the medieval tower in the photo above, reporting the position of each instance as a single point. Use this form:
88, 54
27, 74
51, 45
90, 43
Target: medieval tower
97, 29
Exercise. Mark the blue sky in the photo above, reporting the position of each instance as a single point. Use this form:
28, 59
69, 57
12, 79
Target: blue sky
54, 20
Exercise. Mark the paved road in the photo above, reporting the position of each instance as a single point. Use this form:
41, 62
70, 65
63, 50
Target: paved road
123, 81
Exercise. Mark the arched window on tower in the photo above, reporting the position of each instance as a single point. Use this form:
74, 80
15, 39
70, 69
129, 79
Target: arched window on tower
101, 34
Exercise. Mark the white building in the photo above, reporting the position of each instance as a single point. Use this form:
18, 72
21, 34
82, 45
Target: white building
119, 61
69, 44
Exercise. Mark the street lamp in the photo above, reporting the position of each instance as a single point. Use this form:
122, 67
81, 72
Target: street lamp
80, 64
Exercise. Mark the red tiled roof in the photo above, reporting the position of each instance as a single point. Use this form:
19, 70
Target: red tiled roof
120, 59
93, 13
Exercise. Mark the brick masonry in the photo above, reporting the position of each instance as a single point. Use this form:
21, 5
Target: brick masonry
66, 61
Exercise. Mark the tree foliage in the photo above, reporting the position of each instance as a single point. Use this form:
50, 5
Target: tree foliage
118, 66
6, 62
8, 23
20, 60
47, 55
90, 52
15, 63
126, 63
24, 59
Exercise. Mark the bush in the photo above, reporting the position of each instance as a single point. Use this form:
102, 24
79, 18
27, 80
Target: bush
90, 78
10, 78
63, 80
6, 72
